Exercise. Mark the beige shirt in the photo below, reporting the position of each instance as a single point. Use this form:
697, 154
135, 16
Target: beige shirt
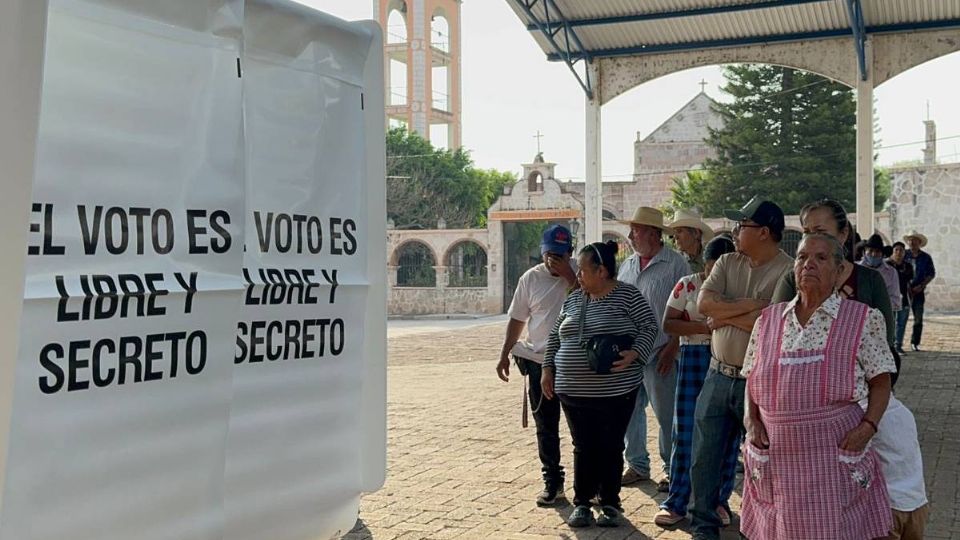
733, 278
873, 354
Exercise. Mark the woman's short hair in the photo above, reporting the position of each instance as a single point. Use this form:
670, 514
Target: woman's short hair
603, 254
836, 250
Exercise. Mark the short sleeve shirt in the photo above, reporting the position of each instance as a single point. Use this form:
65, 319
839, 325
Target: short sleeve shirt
684, 298
537, 302
734, 278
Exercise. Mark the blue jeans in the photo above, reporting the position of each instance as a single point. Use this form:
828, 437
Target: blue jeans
718, 421
660, 391
902, 317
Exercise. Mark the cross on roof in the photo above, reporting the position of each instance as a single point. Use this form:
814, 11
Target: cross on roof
538, 136
703, 84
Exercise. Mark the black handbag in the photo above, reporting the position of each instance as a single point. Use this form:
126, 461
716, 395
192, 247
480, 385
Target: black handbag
603, 349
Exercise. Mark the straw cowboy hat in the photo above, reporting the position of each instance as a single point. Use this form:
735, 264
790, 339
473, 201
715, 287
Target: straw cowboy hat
914, 233
650, 217
692, 220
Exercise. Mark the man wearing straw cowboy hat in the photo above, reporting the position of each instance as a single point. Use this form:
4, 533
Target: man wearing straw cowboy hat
653, 269
690, 234
923, 273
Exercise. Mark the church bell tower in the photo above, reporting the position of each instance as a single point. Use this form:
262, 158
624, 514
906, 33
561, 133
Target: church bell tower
422, 71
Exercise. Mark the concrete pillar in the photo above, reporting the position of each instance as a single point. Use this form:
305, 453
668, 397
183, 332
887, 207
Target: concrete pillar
865, 185
441, 273
593, 190
495, 269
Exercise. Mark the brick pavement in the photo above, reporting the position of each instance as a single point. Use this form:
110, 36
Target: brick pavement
460, 465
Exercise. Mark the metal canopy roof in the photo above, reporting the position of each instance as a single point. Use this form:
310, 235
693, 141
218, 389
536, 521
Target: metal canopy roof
582, 30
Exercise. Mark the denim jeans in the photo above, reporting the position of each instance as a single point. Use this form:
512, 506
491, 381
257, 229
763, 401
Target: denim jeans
902, 317
596, 426
917, 305
661, 391
546, 416
718, 420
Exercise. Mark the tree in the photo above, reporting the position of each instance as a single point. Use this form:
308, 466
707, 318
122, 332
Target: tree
426, 184
788, 136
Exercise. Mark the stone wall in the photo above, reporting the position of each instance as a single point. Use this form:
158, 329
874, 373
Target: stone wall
926, 199
441, 298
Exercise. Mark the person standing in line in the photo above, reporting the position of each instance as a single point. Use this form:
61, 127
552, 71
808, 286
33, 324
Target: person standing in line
597, 403
690, 233
810, 469
653, 269
923, 274
536, 304
739, 286
684, 319
905, 275
873, 258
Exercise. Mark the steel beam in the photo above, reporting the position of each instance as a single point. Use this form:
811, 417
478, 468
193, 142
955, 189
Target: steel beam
757, 40
552, 24
857, 26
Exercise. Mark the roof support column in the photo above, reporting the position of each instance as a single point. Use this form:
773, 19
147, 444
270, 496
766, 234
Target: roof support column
865, 182
593, 190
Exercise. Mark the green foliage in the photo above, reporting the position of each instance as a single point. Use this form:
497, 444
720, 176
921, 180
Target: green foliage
425, 184
788, 136
882, 187
695, 190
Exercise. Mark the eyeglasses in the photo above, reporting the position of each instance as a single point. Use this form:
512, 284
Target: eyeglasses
738, 226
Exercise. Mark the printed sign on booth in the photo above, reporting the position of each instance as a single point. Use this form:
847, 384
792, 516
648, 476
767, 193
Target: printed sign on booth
194, 352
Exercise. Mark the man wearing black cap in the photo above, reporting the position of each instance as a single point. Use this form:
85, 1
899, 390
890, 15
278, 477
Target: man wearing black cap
536, 303
740, 285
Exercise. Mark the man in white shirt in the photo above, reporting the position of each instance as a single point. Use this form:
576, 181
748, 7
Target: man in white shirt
536, 304
897, 446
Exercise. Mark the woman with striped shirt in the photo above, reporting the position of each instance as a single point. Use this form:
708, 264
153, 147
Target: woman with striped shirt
598, 407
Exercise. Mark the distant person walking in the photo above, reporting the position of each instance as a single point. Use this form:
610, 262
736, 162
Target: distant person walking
536, 304
923, 274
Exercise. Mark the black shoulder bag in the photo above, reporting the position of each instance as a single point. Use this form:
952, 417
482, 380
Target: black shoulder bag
603, 349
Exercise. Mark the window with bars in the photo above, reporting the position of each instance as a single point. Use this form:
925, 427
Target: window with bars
467, 265
415, 266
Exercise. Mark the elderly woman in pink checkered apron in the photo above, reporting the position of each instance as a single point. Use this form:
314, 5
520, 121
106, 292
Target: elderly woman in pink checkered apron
810, 472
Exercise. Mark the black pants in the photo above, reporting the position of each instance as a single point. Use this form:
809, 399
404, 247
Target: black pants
917, 306
597, 427
546, 416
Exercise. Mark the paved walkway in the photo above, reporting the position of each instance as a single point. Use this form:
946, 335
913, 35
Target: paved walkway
461, 466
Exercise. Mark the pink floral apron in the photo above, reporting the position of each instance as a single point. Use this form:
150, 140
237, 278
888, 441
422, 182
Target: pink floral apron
804, 487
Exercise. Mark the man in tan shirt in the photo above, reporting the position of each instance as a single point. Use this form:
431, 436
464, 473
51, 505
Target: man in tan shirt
740, 285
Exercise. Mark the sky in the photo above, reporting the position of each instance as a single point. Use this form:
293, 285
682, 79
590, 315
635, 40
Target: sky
510, 92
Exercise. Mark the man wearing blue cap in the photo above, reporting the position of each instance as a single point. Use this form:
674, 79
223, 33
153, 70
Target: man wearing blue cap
536, 304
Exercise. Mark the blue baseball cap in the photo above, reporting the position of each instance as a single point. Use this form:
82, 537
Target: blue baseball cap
556, 239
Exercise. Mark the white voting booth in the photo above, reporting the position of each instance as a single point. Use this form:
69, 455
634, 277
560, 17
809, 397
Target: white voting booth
194, 219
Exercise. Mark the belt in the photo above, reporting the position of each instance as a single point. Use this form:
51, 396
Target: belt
726, 369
